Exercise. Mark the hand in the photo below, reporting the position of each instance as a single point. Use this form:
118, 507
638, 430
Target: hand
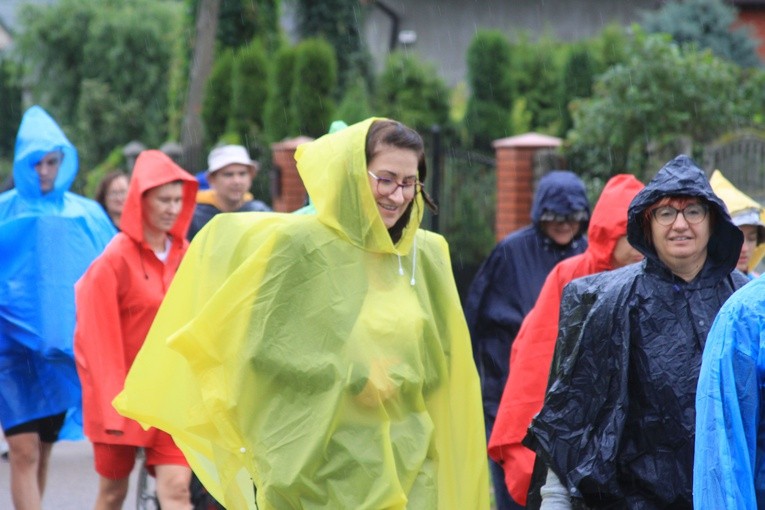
379, 387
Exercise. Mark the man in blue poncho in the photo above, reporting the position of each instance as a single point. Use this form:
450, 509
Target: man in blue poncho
48, 237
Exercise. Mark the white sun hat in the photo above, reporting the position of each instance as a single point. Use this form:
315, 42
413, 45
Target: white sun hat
221, 157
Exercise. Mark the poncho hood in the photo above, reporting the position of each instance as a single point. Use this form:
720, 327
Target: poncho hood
682, 177
738, 203
561, 192
38, 135
154, 168
334, 171
609, 218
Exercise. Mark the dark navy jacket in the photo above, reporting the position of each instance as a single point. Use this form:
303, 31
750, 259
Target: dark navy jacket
617, 425
508, 282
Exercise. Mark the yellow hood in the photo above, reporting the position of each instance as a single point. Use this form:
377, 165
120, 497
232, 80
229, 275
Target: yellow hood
334, 171
738, 202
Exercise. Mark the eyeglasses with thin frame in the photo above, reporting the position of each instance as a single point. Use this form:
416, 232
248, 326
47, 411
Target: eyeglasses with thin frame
386, 187
693, 214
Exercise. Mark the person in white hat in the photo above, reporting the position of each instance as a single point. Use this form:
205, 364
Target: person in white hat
230, 173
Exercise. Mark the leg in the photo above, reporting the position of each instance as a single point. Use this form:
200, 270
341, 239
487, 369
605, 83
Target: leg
113, 463
111, 493
42, 468
501, 495
173, 486
24, 454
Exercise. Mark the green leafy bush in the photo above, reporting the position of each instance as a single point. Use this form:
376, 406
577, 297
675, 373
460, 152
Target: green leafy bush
537, 77
313, 86
121, 51
216, 105
412, 92
355, 105
249, 91
278, 114
660, 96
707, 25
489, 67
10, 106
338, 22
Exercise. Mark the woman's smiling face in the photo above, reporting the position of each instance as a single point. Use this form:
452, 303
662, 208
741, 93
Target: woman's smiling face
398, 165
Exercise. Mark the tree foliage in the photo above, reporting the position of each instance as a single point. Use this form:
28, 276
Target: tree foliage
216, 105
119, 51
489, 68
339, 23
412, 92
249, 90
578, 77
278, 115
313, 86
355, 105
537, 76
10, 106
662, 94
707, 24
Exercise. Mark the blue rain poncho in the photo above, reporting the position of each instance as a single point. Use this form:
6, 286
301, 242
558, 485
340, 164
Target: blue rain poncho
310, 355
46, 243
729, 470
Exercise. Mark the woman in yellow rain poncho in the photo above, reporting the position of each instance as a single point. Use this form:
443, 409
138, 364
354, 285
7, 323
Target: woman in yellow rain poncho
323, 358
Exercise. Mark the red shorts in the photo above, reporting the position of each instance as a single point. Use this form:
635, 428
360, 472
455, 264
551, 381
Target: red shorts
116, 461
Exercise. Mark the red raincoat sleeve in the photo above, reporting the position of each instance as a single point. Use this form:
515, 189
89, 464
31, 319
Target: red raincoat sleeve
98, 347
524, 392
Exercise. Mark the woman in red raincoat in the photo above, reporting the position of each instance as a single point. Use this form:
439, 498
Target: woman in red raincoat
533, 347
117, 300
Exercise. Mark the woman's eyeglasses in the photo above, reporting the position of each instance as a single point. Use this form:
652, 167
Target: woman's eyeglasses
693, 214
385, 187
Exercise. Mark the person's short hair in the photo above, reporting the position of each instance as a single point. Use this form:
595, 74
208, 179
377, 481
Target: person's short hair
103, 186
221, 157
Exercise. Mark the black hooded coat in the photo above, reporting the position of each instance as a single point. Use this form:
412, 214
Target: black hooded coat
617, 425
507, 284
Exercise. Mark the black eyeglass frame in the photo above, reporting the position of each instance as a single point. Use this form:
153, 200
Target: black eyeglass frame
665, 222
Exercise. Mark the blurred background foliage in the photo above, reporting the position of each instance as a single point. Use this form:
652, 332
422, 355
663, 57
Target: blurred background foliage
624, 100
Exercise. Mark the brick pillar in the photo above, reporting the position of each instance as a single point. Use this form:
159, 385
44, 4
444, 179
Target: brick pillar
287, 191
515, 179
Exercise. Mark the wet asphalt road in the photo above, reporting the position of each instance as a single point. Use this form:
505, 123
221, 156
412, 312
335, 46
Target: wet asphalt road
72, 482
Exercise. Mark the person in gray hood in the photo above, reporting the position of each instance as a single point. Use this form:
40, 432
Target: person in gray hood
617, 426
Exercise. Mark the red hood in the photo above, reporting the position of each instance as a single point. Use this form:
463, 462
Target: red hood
154, 168
609, 217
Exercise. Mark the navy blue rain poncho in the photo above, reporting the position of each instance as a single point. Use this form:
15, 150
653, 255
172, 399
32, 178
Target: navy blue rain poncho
46, 243
617, 425
508, 282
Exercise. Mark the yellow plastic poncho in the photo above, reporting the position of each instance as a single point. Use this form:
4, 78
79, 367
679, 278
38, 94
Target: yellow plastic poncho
738, 202
291, 352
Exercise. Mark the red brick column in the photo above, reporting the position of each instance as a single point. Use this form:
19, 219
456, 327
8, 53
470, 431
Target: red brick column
287, 191
515, 179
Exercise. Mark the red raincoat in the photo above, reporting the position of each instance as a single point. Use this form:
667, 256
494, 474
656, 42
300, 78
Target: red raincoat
533, 348
118, 297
